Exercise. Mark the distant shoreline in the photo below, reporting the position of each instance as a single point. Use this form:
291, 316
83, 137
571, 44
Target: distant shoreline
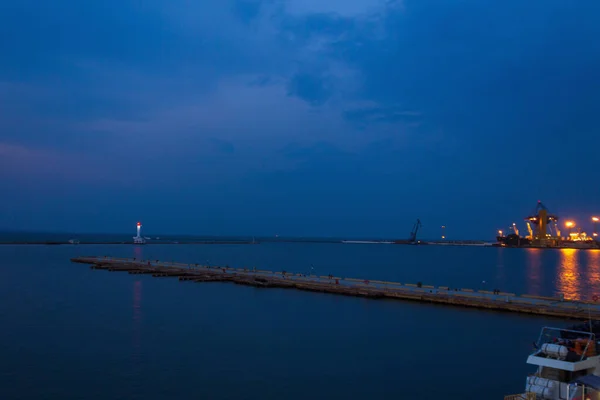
54, 243
232, 242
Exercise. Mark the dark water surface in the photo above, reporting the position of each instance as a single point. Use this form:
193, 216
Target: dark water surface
68, 332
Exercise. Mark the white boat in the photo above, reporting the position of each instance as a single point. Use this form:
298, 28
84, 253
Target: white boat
568, 365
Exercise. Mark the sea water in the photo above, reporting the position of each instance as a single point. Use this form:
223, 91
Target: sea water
69, 332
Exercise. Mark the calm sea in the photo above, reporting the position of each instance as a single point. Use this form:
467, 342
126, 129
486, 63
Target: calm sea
69, 332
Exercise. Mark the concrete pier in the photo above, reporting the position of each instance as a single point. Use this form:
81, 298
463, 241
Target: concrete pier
499, 301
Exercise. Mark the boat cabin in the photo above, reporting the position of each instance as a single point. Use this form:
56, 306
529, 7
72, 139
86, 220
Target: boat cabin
568, 364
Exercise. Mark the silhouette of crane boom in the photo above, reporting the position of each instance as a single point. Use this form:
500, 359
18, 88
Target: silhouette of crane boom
413, 233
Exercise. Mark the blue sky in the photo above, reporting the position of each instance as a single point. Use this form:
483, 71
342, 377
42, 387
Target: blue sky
297, 117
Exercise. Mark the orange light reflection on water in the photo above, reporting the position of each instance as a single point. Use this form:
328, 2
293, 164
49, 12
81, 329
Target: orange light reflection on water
500, 278
593, 275
569, 279
534, 271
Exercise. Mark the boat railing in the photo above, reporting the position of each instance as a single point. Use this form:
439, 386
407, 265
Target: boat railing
578, 392
565, 344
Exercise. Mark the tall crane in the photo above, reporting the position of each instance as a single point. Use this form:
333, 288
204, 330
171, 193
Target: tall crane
413, 233
530, 230
542, 220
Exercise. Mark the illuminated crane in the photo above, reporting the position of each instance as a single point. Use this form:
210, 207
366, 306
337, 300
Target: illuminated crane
530, 230
556, 229
542, 220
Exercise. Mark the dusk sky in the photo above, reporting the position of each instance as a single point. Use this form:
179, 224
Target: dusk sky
297, 117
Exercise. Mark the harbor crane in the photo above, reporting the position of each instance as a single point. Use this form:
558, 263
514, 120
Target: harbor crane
530, 231
542, 222
515, 229
413, 233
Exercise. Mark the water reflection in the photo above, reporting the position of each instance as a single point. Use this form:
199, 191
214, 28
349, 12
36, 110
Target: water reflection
593, 272
534, 271
138, 252
500, 268
137, 321
569, 277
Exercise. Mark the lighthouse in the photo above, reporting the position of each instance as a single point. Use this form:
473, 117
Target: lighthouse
138, 239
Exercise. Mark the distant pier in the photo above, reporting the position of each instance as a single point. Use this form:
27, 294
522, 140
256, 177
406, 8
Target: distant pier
490, 300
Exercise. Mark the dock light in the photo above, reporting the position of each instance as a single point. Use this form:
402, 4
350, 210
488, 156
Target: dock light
500, 233
595, 219
570, 225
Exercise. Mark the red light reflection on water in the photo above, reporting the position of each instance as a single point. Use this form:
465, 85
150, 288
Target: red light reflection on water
137, 302
138, 253
137, 317
569, 280
534, 271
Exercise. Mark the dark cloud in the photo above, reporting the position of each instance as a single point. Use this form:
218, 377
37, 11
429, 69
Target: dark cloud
311, 88
247, 10
423, 108
304, 28
321, 150
390, 114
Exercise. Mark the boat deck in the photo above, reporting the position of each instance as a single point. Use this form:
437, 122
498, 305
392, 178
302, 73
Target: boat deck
500, 301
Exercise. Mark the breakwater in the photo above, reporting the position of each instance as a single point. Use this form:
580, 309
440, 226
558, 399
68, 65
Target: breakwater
485, 300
